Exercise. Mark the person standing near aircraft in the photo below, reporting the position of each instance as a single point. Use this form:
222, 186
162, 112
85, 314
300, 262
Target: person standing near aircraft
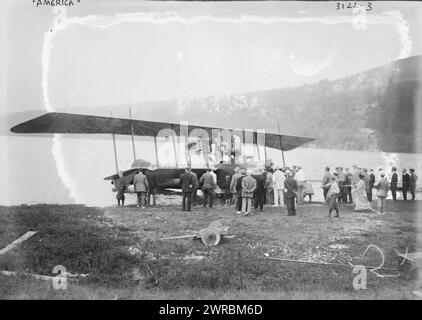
393, 183
239, 191
372, 182
412, 185
227, 194
405, 183
290, 188
259, 193
248, 188
153, 186
332, 195
326, 179
300, 179
278, 185
208, 184
235, 176
269, 195
195, 187
349, 177
382, 190
360, 196
342, 180
186, 182
140, 183
214, 176
121, 188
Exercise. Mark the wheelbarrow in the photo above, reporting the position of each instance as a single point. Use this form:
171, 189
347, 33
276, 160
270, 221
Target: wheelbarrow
210, 236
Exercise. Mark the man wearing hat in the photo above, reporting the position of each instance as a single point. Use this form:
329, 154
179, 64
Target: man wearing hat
208, 184
325, 180
290, 189
235, 176
412, 185
405, 183
186, 182
393, 183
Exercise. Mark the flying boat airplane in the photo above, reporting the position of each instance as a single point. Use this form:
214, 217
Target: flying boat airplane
220, 148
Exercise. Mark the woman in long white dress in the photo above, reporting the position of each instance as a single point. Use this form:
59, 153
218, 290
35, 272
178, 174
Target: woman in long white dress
359, 195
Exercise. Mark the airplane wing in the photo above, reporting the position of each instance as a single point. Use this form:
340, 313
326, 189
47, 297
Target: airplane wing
55, 122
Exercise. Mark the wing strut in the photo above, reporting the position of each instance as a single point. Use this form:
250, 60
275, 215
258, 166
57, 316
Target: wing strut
115, 152
281, 146
133, 138
156, 150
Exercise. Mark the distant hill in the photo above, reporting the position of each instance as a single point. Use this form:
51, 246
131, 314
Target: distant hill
375, 110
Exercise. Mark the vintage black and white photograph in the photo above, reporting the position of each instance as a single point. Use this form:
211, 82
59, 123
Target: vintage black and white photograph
210, 150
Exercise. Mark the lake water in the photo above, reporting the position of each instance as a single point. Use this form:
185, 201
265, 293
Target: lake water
70, 169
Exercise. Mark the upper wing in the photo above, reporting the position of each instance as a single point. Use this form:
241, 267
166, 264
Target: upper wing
55, 122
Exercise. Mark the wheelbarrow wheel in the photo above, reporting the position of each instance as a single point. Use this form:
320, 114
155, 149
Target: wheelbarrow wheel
210, 236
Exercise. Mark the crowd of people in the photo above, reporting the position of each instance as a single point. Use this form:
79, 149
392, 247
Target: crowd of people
280, 186
357, 187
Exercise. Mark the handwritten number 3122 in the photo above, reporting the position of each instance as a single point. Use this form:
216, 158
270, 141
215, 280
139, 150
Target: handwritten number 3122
351, 5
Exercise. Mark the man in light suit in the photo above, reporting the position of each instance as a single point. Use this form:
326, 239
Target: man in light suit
248, 188
278, 186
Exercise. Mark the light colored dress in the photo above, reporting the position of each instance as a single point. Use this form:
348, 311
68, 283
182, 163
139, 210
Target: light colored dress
359, 196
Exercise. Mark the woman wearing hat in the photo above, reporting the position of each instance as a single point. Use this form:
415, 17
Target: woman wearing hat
359, 195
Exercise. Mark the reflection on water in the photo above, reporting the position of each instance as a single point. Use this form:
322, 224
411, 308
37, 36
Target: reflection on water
31, 174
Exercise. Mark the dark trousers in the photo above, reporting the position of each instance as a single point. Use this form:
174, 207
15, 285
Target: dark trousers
239, 201
393, 192
369, 193
259, 198
193, 200
343, 194
349, 194
325, 191
290, 203
208, 197
186, 200
413, 192
405, 189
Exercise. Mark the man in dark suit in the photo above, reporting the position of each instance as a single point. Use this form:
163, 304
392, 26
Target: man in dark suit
405, 183
393, 183
259, 192
371, 184
195, 187
290, 188
153, 187
186, 181
413, 179
238, 186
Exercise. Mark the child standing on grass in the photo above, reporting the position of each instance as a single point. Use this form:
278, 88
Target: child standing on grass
332, 195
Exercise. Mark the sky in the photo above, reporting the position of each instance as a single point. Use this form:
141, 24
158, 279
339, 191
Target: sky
102, 53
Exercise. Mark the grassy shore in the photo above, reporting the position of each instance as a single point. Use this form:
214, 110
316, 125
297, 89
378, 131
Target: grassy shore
119, 250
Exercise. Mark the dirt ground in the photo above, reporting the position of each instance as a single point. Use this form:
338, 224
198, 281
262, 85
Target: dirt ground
310, 235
